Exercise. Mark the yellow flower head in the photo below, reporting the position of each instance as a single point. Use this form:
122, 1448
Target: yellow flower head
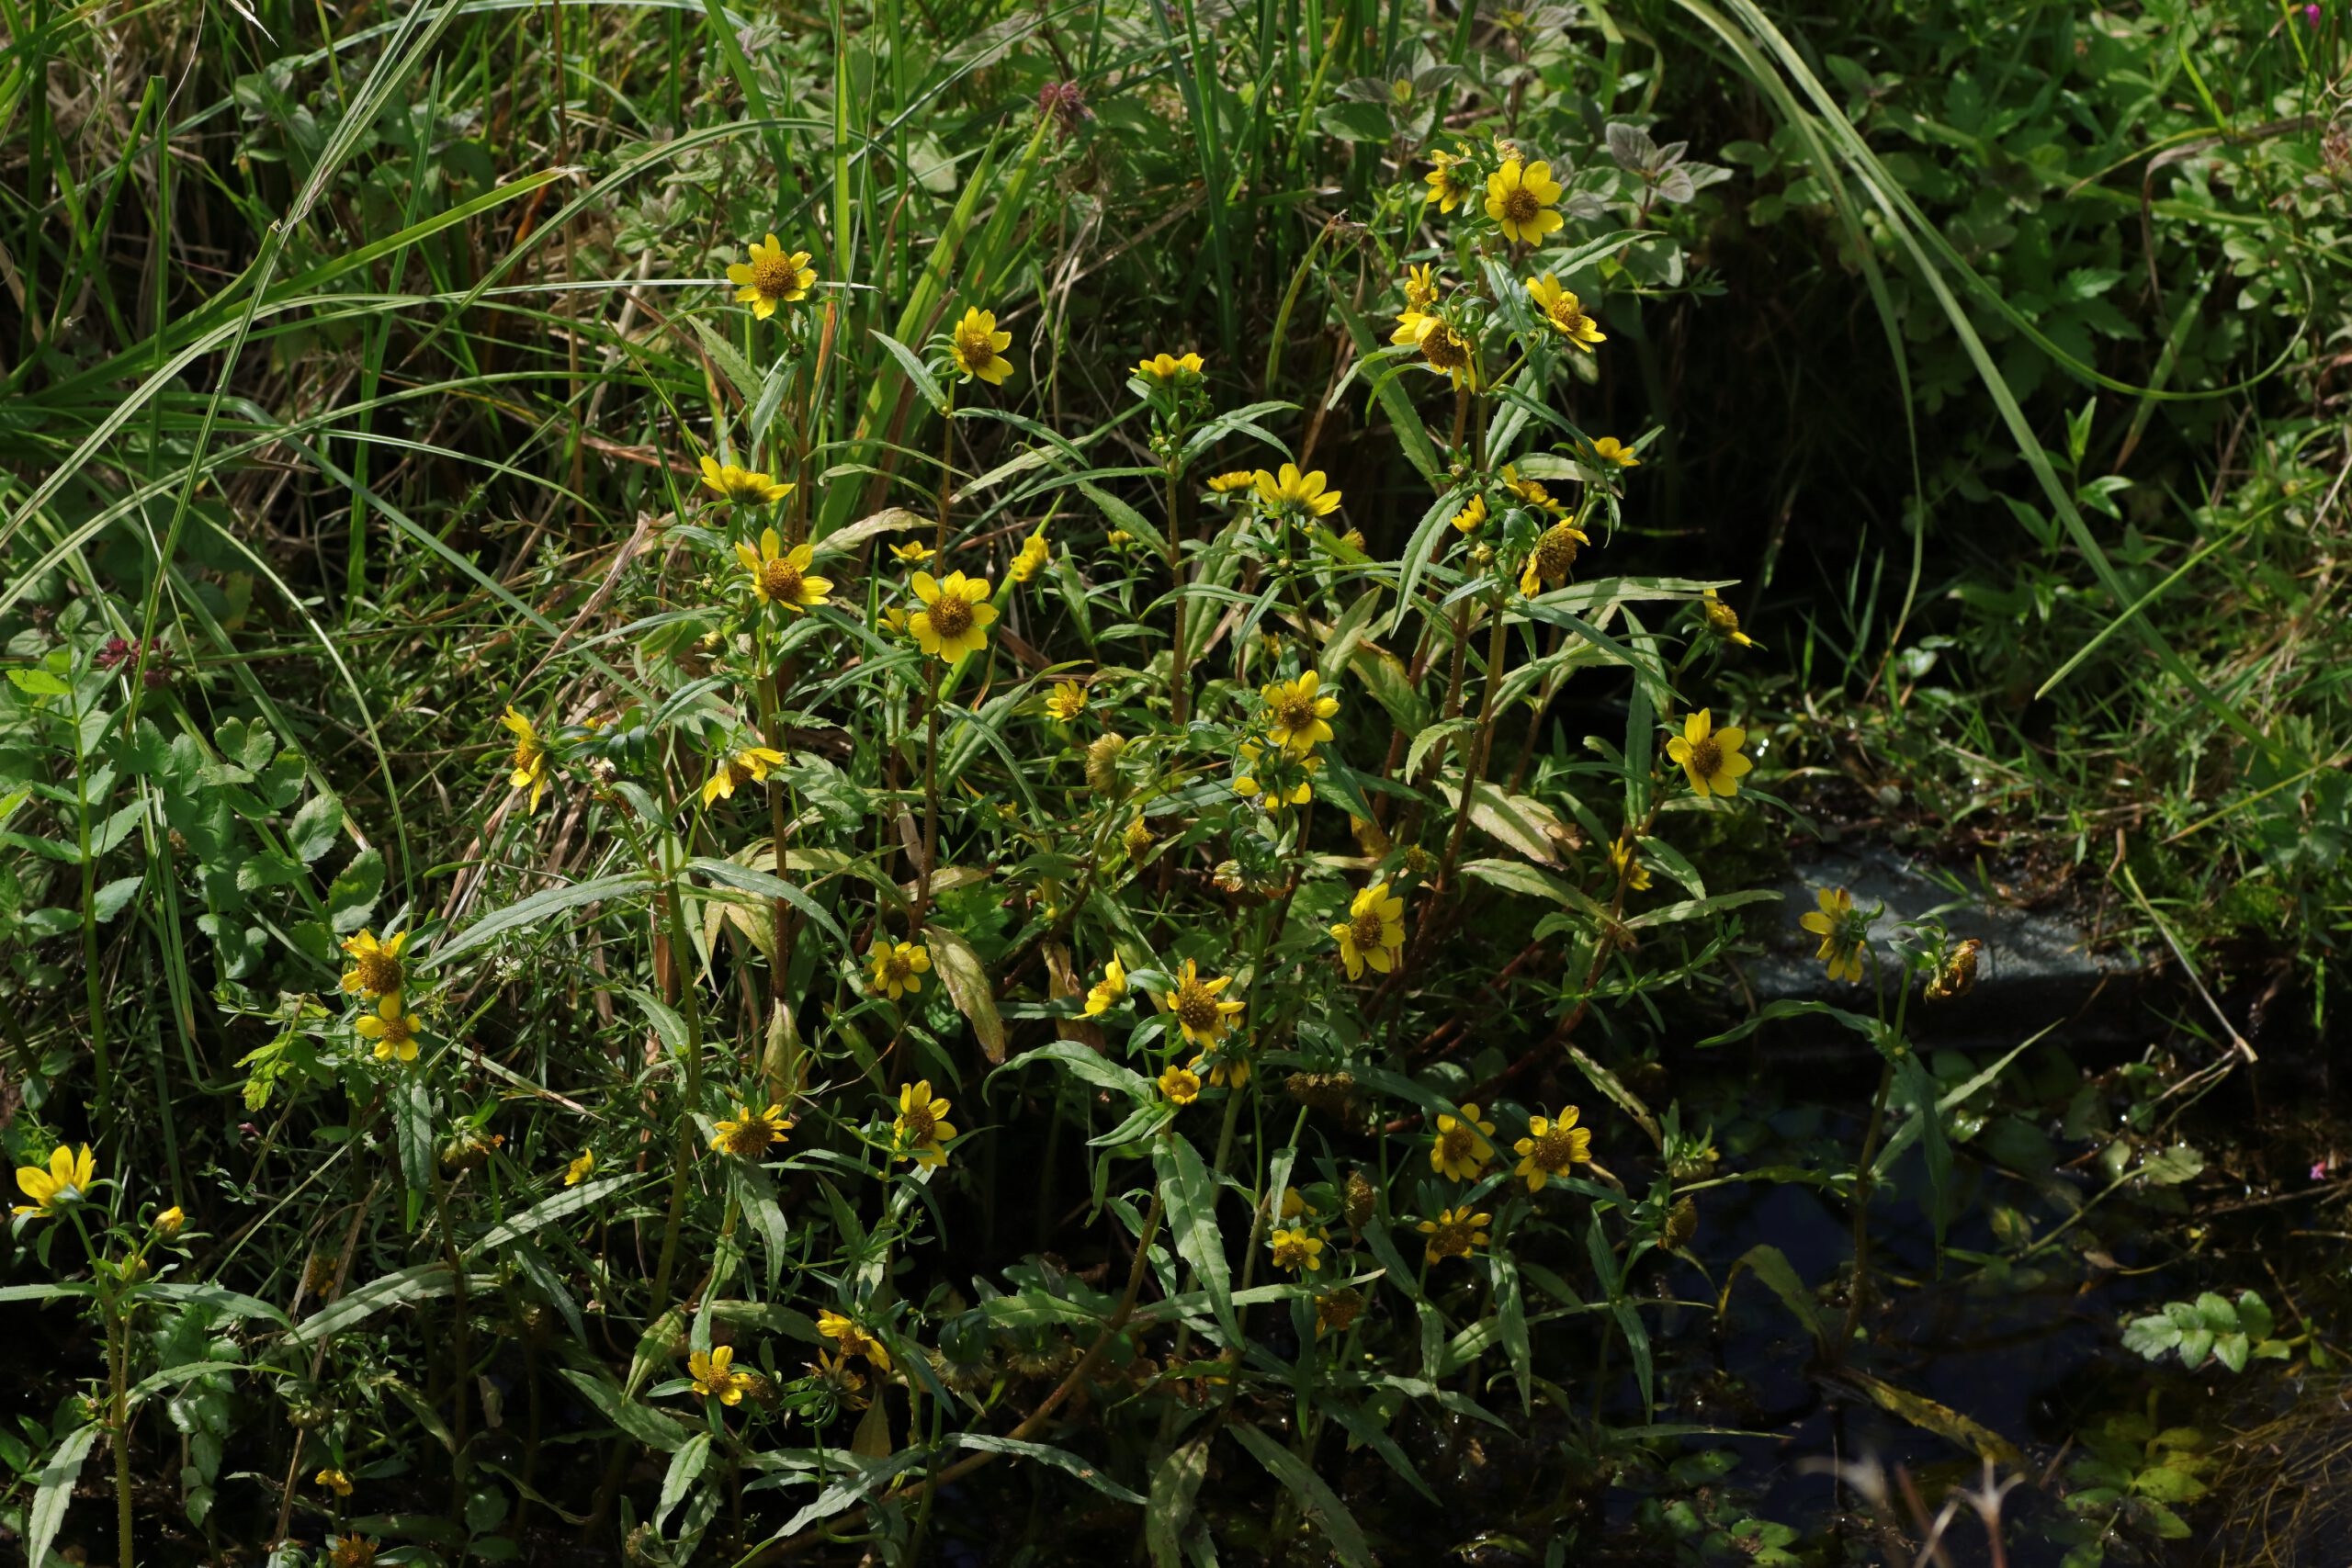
1200, 1014
1554, 557
1374, 934
168, 1225
1453, 1232
393, 1029
1292, 492
751, 1134
375, 965
530, 761
1420, 287
1030, 560
1628, 867
1444, 345
1609, 449
1552, 1147
977, 347
352, 1552
1462, 1151
1249, 787
1109, 992
750, 765
67, 1180
781, 577
1710, 757
1843, 932
894, 616
921, 1126
740, 487
1236, 479
854, 1340
898, 967
1334, 1312
955, 616
1529, 492
581, 1167
1296, 716
910, 555
1723, 621
715, 1376
1181, 1085
1295, 1250
1228, 1067
1066, 700
1449, 183
1520, 198
1563, 312
1468, 519
1170, 369
772, 277
333, 1481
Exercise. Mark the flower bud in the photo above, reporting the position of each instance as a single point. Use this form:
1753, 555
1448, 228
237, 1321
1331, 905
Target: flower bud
1359, 1199
167, 1224
1103, 763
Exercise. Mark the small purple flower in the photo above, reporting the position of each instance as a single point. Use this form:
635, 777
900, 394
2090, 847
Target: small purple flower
2311, 16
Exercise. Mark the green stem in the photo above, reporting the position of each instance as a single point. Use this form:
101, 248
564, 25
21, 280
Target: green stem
690, 1006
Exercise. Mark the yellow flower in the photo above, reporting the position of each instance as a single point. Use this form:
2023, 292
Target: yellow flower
1452, 1233
1723, 621
1420, 287
66, 1180
1609, 449
530, 763
333, 1481
1250, 787
911, 555
977, 347
1449, 185
168, 1224
1166, 367
1296, 719
1335, 1312
352, 1552
955, 614
1520, 200
375, 965
898, 967
581, 1168
1531, 492
1200, 1015
922, 1125
1374, 932
1227, 1069
1629, 870
1710, 757
1468, 519
1034, 553
750, 765
1181, 1085
392, 1028
1553, 1146
1109, 992
1290, 490
1461, 1152
1565, 312
741, 487
1295, 1250
893, 617
1236, 479
1441, 344
855, 1341
715, 1376
1843, 933
1067, 700
781, 577
750, 1134
772, 277
1554, 557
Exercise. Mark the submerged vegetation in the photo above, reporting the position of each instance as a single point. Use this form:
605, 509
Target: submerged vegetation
967, 782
